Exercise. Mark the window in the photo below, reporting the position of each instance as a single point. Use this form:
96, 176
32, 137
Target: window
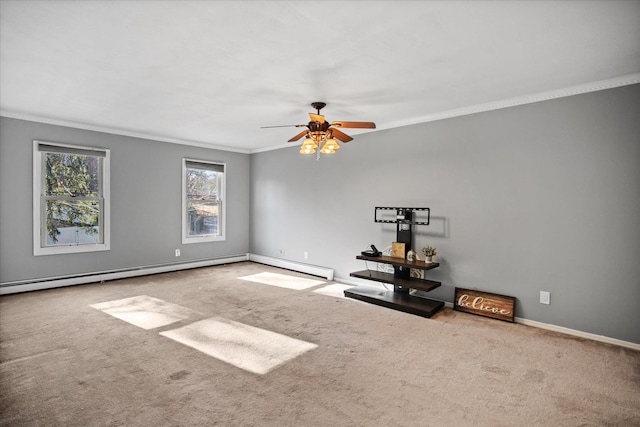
70, 199
202, 201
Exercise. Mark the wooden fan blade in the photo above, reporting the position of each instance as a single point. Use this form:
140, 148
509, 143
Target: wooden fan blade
283, 126
340, 135
298, 136
316, 117
361, 125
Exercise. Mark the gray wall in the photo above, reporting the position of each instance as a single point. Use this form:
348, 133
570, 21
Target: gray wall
145, 203
544, 196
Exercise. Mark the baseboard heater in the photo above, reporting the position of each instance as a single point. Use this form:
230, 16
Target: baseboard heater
314, 270
57, 282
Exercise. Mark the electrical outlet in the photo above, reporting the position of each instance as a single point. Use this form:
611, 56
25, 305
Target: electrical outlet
306, 255
545, 297
177, 252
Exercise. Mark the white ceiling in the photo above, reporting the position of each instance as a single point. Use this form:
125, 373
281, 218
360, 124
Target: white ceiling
211, 73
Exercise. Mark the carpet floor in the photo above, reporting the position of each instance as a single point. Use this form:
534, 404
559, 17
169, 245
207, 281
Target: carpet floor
246, 344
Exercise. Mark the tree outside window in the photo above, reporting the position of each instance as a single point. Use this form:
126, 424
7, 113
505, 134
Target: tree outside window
71, 196
72, 199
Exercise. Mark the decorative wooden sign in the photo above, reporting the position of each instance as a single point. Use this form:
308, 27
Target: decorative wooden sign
486, 304
397, 250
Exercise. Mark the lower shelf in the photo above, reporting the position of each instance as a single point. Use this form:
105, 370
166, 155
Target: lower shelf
396, 300
413, 282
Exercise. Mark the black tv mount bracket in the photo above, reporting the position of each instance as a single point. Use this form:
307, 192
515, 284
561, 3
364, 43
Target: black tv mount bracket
405, 218
403, 215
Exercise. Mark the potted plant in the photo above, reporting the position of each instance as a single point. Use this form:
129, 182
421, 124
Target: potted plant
429, 252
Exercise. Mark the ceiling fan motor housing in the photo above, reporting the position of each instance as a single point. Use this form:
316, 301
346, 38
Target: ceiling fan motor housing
318, 127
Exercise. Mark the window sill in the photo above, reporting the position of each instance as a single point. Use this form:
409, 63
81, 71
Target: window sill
71, 249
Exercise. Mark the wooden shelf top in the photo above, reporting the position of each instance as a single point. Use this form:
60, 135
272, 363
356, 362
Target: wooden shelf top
399, 262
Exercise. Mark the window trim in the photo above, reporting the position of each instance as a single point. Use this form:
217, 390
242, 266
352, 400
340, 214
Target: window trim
221, 200
39, 229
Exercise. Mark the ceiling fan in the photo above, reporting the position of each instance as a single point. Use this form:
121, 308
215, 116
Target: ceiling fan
323, 134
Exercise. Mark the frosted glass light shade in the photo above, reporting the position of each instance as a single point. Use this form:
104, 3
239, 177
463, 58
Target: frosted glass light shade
331, 144
330, 147
309, 143
325, 150
307, 149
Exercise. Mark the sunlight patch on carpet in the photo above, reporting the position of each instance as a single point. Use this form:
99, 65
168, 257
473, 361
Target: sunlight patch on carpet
247, 347
145, 312
283, 280
333, 290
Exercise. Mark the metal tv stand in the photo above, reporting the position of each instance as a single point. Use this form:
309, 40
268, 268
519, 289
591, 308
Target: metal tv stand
400, 298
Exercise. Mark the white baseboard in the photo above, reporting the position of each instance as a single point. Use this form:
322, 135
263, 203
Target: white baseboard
576, 333
527, 322
314, 270
57, 282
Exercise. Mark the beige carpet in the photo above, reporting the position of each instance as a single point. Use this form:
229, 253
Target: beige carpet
80, 356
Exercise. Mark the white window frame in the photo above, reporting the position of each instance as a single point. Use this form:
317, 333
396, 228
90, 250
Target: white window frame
186, 239
39, 205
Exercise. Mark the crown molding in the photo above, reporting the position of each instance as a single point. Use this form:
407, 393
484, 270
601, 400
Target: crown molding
521, 100
627, 80
274, 147
116, 131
